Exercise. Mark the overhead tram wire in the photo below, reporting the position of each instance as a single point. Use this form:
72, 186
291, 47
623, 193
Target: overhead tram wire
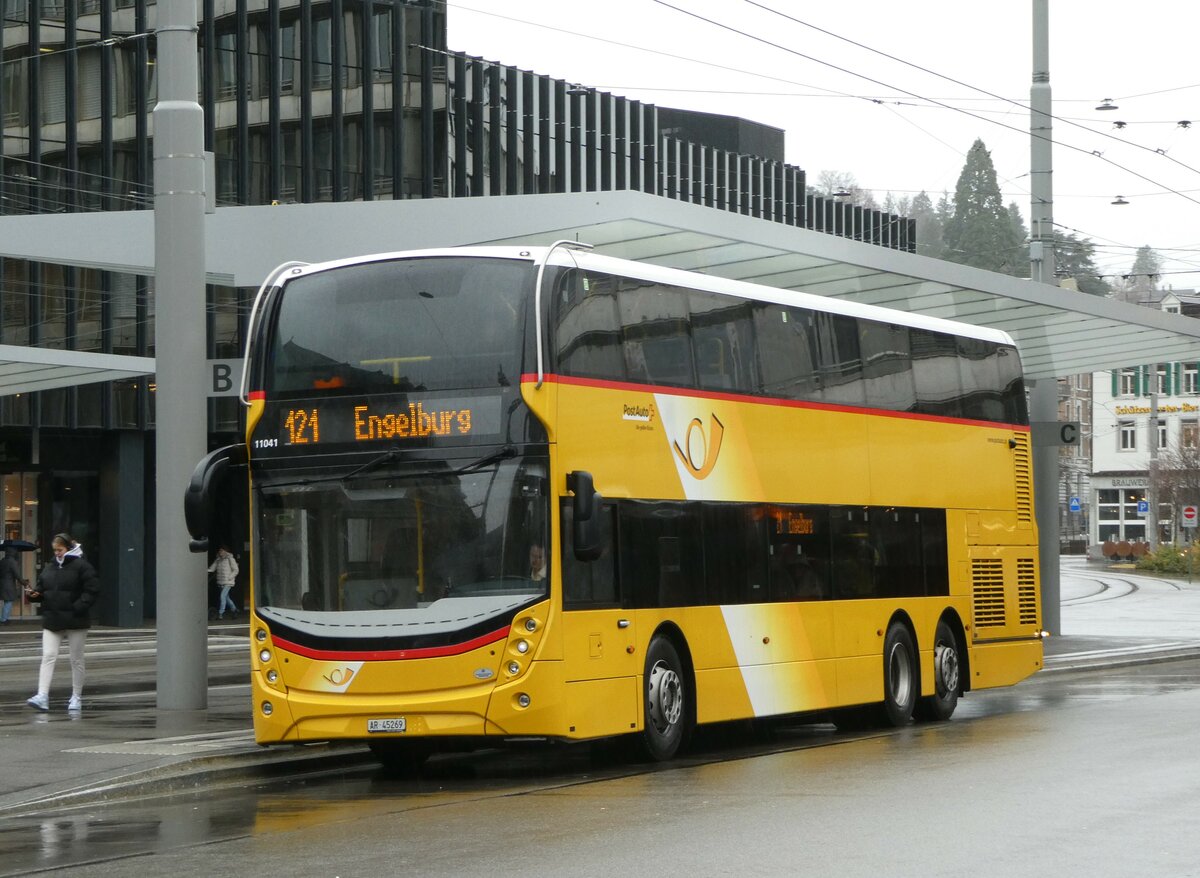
626, 45
105, 42
840, 69
931, 101
983, 91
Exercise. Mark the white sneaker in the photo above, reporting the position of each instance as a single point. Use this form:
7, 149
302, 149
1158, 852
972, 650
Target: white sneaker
39, 702
76, 703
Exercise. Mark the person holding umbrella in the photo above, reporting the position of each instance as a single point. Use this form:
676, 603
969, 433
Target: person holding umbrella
66, 589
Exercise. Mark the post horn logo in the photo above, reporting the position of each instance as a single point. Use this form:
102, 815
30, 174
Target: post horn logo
339, 676
710, 447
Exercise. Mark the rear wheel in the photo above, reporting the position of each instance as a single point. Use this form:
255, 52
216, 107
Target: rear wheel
669, 711
947, 681
900, 681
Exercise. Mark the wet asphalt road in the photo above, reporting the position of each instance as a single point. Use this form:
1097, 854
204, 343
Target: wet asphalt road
1078, 773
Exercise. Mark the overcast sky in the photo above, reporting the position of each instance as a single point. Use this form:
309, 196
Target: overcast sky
894, 126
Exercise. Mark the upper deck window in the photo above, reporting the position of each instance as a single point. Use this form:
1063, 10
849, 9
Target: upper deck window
443, 323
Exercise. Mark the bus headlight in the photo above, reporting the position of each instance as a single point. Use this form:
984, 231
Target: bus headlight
264, 656
260, 635
514, 668
522, 646
272, 676
523, 700
531, 625
267, 708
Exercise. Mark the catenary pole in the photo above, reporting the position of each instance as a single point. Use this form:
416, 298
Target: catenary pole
1043, 397
179, 340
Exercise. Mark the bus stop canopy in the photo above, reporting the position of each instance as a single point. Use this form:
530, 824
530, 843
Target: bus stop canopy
1058, 331
26, 369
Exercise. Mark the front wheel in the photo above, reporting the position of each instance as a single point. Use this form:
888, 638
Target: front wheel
900, 682
947, 682
667, 697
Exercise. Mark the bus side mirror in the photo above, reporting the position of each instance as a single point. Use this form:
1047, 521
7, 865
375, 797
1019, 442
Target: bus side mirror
586, 535
206, 486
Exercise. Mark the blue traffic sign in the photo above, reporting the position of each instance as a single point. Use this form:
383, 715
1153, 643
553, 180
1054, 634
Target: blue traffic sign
1143, 507
1074, 504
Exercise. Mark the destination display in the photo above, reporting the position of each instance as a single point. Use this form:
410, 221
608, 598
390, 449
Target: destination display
367, 420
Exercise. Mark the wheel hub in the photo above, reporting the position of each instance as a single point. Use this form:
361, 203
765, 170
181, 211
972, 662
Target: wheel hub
900, 674
946, 663
666, 697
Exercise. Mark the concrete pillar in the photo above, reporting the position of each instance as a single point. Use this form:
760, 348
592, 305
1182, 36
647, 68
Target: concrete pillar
1043, 408
179, 338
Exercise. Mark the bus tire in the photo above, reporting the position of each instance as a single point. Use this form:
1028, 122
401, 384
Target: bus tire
900, 679
667, 701
947, 680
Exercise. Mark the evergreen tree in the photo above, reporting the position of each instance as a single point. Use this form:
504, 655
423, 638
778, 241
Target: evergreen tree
1147, 267
899, 205
945, 213
981, 231
929, 226
1074, 257
1021, 233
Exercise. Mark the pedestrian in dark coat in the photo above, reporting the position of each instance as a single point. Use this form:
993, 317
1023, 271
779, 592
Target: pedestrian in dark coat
66, 589
10, 583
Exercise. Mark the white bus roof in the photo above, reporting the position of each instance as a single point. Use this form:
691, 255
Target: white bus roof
584, 259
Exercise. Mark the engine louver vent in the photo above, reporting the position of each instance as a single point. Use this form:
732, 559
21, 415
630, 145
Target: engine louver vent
1023, 474
987, 585
1027, 592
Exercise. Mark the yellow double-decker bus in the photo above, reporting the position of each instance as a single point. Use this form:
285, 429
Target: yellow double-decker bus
504, 492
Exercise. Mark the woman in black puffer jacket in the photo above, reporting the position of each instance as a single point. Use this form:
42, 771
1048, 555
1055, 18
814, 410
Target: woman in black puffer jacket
66, 590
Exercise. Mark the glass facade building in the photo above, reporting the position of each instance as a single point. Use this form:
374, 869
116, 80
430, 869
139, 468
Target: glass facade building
304, 101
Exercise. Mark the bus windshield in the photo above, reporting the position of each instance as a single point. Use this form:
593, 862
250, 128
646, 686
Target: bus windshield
400, 541
434, 323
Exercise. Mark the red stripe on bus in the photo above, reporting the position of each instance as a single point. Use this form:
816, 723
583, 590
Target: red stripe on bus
391, 655
256, 394
607, 384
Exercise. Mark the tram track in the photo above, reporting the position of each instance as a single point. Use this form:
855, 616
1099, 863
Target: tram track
1104, 591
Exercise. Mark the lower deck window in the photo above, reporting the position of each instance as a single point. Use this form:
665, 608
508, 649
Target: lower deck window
668, 554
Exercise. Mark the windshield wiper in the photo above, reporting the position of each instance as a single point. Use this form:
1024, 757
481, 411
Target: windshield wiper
373, 463
390, 455
495, 457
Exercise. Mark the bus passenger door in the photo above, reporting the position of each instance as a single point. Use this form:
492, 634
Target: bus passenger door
599, 641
